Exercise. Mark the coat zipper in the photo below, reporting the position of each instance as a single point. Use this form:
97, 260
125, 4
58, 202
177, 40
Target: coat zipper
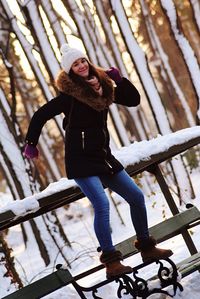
109, 165
83, 139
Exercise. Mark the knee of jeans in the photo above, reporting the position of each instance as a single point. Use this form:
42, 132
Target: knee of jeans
101, 207
137, 199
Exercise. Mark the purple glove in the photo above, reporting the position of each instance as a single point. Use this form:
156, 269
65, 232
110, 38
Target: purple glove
31, 151
114, 74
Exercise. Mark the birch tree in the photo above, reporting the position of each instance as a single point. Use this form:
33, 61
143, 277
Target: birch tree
55, 22
166, 69
140, 62
196, 11
104, 14
186, 50
45, 232
8, 271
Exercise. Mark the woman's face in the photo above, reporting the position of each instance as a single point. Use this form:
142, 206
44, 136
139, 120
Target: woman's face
80, 67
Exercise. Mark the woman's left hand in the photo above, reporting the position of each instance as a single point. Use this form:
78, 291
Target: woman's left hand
114, 74
31, 151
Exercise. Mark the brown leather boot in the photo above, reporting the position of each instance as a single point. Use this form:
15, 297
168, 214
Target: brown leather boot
111, 261
149, 251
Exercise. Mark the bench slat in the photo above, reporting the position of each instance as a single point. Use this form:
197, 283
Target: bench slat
189, 265
163, 230
43, 286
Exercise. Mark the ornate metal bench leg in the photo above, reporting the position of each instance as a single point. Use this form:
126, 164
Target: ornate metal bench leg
79, 290
126, 286
166, 277
139, 287
136, 286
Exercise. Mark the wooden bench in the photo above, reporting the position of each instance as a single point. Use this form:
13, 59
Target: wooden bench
133, 283
178, 224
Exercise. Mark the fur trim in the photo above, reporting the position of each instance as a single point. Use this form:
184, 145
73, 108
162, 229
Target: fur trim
85, 93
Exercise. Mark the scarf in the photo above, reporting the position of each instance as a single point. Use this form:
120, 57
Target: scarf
95, 84
98, 94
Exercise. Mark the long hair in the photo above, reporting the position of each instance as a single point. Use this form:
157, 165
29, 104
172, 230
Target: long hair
80, 89
97, 72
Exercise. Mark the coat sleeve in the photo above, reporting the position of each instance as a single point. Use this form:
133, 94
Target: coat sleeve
41, 116
126, 94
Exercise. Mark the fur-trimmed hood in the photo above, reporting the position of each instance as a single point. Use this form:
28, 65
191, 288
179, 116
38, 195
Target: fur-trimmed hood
84, 93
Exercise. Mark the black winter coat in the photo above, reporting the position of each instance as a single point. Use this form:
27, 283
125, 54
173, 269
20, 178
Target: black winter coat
87, 150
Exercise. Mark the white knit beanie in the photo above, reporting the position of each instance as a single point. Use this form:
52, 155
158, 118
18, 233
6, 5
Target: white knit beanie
69, 56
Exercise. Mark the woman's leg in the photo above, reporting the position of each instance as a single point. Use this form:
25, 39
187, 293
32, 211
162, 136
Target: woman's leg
122, 184
93, 189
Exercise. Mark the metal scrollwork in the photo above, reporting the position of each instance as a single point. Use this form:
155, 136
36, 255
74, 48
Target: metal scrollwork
138, 286
169, 276
94, 294
126, 286
141, 284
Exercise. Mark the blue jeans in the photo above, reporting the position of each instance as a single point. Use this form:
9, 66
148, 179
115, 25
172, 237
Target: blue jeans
122, 184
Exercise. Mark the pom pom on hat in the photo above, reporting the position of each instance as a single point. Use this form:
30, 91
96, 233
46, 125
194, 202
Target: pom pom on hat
69, 56
64, 48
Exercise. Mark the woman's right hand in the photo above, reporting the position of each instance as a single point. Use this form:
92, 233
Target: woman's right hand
31, 151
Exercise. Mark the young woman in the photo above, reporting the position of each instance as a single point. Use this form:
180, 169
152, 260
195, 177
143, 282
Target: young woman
86, 92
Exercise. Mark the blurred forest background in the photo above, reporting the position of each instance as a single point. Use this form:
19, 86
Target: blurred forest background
154, 43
